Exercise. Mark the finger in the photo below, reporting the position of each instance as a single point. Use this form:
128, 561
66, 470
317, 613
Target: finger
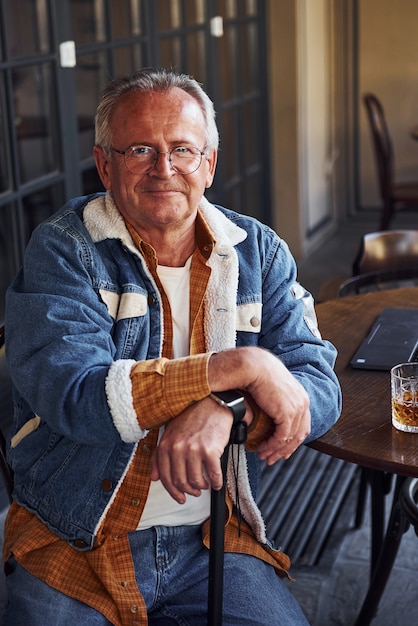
272, 454
279, 447
197, 476
155, 473
170, 482
214, 472
190, 478
182, 470
275, 455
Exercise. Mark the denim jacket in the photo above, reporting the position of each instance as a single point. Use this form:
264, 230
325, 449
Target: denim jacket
85, 307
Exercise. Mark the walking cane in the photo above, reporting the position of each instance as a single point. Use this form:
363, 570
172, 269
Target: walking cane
234, 400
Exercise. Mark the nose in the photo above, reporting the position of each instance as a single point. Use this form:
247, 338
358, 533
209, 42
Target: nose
162, 166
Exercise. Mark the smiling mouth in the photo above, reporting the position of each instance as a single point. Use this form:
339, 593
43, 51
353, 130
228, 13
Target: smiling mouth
161, 190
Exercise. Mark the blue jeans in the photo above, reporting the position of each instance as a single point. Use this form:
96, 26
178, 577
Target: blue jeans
174, 587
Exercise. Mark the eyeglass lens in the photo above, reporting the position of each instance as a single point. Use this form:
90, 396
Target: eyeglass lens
142, 159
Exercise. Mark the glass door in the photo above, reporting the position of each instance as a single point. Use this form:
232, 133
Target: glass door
55, 58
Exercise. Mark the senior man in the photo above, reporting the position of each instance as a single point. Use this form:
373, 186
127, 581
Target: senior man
134, 311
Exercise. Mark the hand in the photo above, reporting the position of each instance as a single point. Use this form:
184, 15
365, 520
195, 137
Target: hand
274, 389
187, 458
285, 400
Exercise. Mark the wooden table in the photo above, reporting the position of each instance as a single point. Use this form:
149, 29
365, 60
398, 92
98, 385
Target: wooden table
364, 434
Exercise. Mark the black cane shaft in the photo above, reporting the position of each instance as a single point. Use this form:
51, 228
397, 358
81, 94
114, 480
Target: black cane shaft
216, 554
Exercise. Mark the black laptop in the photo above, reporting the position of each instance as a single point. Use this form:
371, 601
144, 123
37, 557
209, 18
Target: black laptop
392, 339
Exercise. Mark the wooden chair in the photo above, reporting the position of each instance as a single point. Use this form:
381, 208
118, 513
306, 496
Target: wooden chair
5, 405
385, 260
378, 280
395, 196
389, 249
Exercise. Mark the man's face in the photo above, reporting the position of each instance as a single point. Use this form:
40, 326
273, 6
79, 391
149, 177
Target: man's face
161, 198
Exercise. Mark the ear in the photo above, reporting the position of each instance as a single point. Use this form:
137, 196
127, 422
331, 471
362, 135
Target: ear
103, 166
211, 159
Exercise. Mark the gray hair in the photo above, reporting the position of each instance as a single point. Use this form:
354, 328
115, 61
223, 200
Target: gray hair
146, 81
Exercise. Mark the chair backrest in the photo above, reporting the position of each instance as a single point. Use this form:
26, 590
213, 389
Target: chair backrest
5, 416
387, 250
378, 280
382, 143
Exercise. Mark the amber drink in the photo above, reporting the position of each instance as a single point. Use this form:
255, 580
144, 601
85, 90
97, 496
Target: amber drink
404, 388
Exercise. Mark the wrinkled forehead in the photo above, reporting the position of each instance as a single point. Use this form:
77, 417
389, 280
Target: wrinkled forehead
151, 112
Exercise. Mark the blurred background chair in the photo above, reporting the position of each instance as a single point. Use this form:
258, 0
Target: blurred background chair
379, 280
385, 260
390, 249
395, 196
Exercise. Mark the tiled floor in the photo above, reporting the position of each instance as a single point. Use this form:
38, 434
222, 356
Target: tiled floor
331, 593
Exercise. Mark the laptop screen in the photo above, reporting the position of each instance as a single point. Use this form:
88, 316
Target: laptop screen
392, 339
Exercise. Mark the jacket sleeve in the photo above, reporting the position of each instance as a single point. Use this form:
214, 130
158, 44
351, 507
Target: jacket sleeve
290, 330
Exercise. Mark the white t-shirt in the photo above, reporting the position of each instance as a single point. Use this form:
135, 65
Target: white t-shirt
160, 508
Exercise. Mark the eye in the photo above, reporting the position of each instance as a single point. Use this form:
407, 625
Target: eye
183, 151
139, 151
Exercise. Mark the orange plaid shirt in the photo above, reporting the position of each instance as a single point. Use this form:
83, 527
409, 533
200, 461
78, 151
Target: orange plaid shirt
104, 577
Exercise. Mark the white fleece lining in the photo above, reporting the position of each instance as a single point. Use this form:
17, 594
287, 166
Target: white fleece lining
248, 507
132, 305
119, 396
249, 317
221, 293
111, 300
124, 306
220, 334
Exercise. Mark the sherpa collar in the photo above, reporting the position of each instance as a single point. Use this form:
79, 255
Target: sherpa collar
103, 220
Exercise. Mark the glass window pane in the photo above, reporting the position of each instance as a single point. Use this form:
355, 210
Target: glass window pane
253, 195
5, 175
91, 181
170, 53
28, 27
129, 59
123, 23
194, 12
252, 150
248, 57
196, 57
228, 64
91, 76
231, 199
9, 257
228, 155
251, 7
88, 21
35, 118
138, 17
40, 205
226, 8
168, 14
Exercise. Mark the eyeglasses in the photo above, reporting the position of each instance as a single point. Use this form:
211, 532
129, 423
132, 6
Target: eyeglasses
142, 159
